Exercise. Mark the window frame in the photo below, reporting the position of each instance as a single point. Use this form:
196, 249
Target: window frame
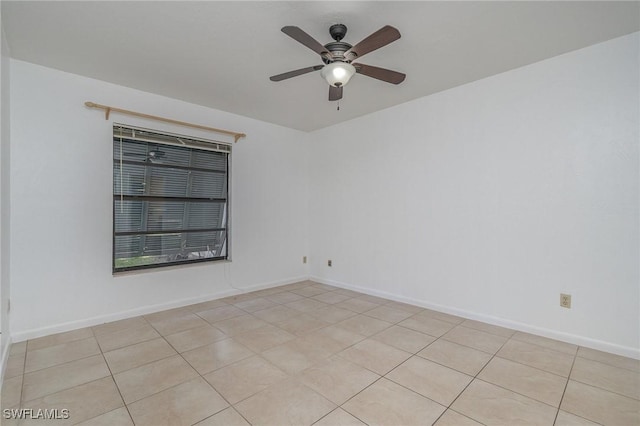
183, 142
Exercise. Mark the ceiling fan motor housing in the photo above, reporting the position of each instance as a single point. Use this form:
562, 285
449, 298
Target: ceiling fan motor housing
337, 48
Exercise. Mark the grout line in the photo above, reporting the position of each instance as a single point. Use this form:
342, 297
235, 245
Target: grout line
117, 387
474, 379
565, 387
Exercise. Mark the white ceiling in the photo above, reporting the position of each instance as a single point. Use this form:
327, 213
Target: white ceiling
221, 54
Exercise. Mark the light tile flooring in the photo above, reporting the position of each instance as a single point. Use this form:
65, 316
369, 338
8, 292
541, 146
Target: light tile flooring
308, 353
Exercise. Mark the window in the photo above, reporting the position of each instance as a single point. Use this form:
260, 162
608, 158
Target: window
170, 199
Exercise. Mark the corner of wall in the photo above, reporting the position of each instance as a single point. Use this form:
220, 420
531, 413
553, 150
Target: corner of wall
5, 337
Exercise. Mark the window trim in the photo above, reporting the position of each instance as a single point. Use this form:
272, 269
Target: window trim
138, 134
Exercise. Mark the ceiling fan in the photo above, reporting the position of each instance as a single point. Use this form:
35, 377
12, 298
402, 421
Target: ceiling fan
339, 57
155, 155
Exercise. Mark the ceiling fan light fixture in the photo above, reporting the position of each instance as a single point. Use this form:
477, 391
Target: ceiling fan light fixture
338, 73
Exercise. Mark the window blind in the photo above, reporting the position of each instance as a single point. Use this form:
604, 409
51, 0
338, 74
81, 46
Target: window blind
170, 199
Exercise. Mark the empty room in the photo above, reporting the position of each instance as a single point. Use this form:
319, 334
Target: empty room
320, 213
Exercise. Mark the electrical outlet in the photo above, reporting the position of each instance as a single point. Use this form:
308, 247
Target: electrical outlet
329, 262
565, 300
304, 259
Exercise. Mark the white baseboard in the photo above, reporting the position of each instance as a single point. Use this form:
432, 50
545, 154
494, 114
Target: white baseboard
5, 357
514, 325
143, 310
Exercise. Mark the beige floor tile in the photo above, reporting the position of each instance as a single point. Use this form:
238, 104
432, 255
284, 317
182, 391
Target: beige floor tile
568, 419
555, 345
373, 299
120, 325
11, 392
177, 324
488, 328
268, 291
118, 417
168, 314
59, 354
284, 297
245, 378
203, 306
461, 358
216, 355
338, 417
241, 324
227, 417
264, 338
324, 287
610, 359
429, 379
476, 339
57, 339
599, 405
133, 356
221, 313
181, 405
388, 314
302, 324
64, 376
537, 356
429, 313
363, 325
296, 355
337, 379
492, 405
357, 305
528, 381
331, 339
451, 418
349, 293
306, 305
332, 314
83, 402
242, 297
152, 378
18, 348
285, 403
331, 297
386, 403
404, 338
404, 307
15, 365
195, 338
300, 284
375, 356
431, 326
614, 379
308, 291
276, 314
253, 305
122, 338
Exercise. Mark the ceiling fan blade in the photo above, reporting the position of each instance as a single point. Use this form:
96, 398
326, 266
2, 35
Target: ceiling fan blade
335, 93
380, 38
301, 37
383, 74
295, 73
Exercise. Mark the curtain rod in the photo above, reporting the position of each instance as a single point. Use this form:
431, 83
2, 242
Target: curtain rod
108, 110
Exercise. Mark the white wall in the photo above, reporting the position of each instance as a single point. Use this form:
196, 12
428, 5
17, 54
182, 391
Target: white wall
490, 199
61, 205
4, 198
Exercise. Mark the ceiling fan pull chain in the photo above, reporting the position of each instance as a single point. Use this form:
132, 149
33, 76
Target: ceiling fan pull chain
338, 106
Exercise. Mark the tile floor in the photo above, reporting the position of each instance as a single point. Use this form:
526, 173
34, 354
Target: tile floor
309, 353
